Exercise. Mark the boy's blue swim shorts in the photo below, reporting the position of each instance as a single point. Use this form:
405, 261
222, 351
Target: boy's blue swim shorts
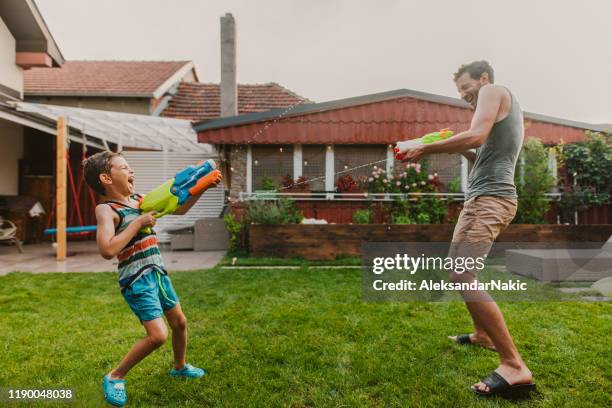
150, 295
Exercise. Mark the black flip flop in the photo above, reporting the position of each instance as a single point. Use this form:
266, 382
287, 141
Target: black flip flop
465, 339
499, 386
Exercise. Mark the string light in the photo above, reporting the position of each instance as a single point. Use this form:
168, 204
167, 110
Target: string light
280, 149
305, 162
256, 162
345, 166
329, 148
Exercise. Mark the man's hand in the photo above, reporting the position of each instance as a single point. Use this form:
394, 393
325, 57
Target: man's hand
413, 155
146, 220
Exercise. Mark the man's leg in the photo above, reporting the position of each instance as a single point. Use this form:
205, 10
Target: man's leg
178, 324
512, 367
157, 333
490, 216
480, 335
467, 218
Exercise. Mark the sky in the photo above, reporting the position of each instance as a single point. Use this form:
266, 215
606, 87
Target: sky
556, 56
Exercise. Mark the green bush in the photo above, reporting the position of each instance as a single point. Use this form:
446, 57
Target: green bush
533, 179
268, 184
281, 211
238, 233
362, 216
589, 164
454, 186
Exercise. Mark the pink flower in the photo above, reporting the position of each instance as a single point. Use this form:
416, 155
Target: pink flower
375, 167
430, 177
408, 165
376, 176
370, 179
398, 183
418, 167
414, 184
390, 176
385, 181
423, 183
407, 187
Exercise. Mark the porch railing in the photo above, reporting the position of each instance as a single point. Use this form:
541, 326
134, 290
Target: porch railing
274, 195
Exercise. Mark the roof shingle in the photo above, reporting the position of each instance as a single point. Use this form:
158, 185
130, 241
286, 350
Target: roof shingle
101, 78
201, 101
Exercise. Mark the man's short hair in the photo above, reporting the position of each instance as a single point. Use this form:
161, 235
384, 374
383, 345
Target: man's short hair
475, 69
95, 165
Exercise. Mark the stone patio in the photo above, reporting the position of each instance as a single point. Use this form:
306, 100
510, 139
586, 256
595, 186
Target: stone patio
84, 257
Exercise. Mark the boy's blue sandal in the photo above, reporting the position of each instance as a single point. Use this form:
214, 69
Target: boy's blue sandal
188, 371
114, 391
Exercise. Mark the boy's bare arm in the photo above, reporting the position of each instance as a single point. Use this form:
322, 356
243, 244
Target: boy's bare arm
110, 244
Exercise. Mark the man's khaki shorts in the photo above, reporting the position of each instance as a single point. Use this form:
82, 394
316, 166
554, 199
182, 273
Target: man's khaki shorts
483, 218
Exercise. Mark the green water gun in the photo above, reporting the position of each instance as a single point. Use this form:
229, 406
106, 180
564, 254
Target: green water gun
190, 181
402, 147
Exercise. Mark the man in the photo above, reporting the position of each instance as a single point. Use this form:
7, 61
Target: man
496, 133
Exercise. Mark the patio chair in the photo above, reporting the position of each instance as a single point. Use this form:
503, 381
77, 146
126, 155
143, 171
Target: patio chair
8, 233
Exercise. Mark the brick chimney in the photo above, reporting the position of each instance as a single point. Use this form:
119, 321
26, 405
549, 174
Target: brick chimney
229, 90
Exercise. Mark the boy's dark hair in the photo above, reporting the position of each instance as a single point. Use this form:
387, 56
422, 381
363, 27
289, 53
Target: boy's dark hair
95, 165
475, 69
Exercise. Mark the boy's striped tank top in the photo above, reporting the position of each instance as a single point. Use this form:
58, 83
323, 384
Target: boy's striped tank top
141, 253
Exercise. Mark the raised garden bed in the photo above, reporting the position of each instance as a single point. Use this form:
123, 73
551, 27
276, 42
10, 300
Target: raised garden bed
330, 240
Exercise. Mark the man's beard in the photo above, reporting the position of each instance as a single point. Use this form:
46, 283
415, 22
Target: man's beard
474, 101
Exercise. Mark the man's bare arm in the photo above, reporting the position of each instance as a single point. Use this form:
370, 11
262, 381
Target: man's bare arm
489, 102
110, 244
469, 154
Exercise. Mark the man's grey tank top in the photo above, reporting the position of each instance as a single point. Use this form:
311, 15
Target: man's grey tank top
493, 170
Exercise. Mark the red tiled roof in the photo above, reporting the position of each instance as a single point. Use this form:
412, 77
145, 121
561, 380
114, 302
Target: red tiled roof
199, 101
112, 78
371, 119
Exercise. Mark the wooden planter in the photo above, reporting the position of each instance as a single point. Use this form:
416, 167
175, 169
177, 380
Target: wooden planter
330, 240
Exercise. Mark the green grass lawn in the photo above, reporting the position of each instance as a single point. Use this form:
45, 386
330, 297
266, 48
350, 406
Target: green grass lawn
297, 338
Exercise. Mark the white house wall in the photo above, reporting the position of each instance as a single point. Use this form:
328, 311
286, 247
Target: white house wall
11, 150
11, 75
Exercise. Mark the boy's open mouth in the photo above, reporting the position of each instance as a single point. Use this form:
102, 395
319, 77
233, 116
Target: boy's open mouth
131, 181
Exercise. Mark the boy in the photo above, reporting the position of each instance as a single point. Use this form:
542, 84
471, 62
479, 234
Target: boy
144, 282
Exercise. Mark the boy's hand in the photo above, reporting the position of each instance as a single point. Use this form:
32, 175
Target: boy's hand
147, 220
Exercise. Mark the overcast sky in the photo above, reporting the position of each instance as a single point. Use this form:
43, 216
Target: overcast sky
555, 55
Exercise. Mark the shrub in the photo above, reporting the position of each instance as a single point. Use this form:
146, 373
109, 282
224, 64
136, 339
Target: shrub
533, 179
238, 233
281, 211
268, 184
362, 216
589, 165
346, 184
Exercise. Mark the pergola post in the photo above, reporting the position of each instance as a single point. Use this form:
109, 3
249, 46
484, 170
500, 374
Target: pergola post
60, 187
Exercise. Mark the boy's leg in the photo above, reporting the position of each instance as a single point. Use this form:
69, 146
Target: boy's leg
178, 324
157, 333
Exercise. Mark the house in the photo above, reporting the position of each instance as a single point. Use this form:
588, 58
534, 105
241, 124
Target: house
141, 87
199, 102
319, 140
25, 43
168, 90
